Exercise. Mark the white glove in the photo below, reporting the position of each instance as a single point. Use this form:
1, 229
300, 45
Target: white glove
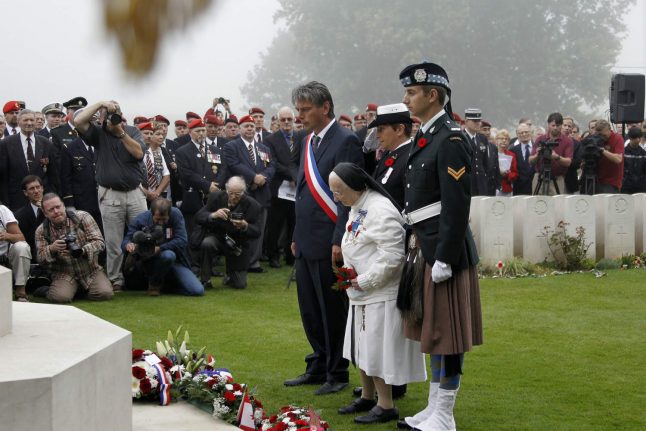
441, 271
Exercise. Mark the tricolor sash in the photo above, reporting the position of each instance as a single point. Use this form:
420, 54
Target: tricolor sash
164, 385
318, 188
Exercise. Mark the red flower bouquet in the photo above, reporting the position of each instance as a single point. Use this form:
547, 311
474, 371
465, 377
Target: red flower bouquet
344, 277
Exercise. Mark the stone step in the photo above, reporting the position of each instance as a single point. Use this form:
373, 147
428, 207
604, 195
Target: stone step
178, 416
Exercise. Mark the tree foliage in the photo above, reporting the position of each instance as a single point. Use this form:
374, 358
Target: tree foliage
507, 57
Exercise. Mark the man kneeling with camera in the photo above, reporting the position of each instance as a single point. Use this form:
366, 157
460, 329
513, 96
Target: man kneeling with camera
230, 219
70, 243
157, 240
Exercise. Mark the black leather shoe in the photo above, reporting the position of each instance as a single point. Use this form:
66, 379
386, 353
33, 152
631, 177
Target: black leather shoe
207, 285
358, 405
216, 273
257, 269
330, 388
274, 263
306, 379
403, 425
399, 391
377, 414
357, 391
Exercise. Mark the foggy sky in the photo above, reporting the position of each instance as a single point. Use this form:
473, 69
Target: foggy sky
55, 50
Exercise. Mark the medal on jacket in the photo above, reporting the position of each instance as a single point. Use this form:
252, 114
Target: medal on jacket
355, 226
214, 168
384, 180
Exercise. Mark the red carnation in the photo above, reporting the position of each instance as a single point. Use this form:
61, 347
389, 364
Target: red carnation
137, 354
166, 363
212, 383
272, 418
389, 162
145, 386
237, 387
349, 227
138, 373
422, 142
301, 422
229, 397
280, 426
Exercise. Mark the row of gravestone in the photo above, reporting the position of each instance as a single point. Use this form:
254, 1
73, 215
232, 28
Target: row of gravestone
504, 227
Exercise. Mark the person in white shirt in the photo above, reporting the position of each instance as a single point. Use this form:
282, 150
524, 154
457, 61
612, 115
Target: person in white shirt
373, 244
15, 253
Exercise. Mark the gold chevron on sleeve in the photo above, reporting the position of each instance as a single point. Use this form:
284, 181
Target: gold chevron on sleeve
456, 174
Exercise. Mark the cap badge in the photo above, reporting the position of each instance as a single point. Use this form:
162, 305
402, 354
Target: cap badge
420, 75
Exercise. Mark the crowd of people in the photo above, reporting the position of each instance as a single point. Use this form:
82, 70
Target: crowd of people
97, 204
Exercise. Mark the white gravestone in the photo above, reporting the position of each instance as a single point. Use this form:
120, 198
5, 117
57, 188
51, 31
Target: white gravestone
615, 225
532, 214
578, 211
475, 220
496, 233
5, 301
640, 222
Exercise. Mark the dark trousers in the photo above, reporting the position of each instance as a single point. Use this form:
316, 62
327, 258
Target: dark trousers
236, 266
324, 313
281, 215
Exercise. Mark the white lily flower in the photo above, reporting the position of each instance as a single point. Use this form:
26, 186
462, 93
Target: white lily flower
161, 349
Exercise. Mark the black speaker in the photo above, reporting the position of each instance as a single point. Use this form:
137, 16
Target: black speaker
627, 98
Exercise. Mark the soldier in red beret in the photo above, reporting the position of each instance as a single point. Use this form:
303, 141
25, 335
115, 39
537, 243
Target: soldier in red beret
10, 111
345, 121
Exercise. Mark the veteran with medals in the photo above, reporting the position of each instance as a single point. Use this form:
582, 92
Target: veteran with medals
436, 208
373, 245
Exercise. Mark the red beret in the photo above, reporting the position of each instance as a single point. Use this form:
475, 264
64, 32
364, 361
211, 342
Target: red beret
139, 119
161, 119
246, 119
212, 119
359, 117
190, 114
371, 107
209, 111
345, 118
148, 125
416, 120
197, 122
11, 106
256, 110
180, 123
231, 119
485, 123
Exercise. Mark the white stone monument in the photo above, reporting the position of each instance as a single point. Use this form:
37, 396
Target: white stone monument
615, 225
640, 222
475, 220
578, 211
496, 230
62, 369
531, 215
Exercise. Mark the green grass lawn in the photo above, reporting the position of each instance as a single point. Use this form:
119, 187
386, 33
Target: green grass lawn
560, 353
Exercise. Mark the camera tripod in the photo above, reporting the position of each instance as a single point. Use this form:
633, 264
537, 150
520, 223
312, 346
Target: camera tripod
543, 183
589, 184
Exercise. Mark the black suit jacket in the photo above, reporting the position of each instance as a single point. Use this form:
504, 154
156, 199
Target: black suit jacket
315, 232
78, 177
393, 177
439, 170
13, 168
44, 132
236, 156
197, 173
286, 167
28, 224
183, 140
523, 184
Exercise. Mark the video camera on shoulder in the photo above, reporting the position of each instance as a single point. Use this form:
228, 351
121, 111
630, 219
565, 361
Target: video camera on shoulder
146, 240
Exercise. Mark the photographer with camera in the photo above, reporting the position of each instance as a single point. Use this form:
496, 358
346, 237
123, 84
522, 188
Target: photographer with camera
157, 240
70, 243
231, 220
119, 151
610, 163
552, 155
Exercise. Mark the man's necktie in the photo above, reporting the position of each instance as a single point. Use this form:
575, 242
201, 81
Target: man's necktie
315, 143
291, 143
30, 154
13, 131
252, 154
202, 150
259, 137
150, 168
526, 152
39, 216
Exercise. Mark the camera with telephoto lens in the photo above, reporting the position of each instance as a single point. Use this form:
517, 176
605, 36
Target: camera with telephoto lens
72, 246
146, 240
223, 101
115, 118
232, 246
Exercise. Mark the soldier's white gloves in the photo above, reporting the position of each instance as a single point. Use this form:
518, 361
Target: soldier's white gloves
441, 272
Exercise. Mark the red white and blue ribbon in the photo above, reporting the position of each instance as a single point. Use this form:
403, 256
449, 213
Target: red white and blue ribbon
318, 188
164, 386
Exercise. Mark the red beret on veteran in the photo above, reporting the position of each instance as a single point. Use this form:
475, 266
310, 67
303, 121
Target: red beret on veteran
197, 122
10, 107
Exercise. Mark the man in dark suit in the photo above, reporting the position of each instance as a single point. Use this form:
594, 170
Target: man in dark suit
281, 213
320, 224
79, 188
202, 171
394, 127
31, 215
258, 116
485, 178
23, 154
213, 123
254, 162
169, 149
522, 150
